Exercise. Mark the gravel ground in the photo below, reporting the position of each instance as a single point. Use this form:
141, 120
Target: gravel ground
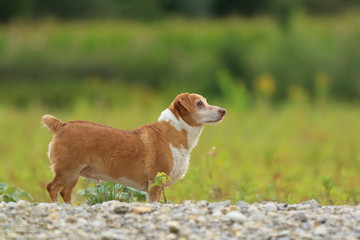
190, 220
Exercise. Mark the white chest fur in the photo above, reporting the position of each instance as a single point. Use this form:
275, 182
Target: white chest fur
181, 158
181, 155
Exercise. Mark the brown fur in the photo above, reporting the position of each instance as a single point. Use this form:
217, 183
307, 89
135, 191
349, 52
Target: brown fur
52, 123
87, 149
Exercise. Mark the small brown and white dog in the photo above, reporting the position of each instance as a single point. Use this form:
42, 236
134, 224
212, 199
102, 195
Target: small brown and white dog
132, 158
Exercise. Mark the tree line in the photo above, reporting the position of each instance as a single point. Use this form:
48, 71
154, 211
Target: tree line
158, 9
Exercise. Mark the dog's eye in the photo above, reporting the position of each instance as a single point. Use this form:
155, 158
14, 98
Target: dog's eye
200, 103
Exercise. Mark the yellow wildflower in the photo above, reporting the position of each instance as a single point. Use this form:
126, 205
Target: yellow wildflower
265, 84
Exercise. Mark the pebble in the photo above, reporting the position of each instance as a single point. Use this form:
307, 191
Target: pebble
312, 203
201, 219
13, 235
141, 210
81, 221
321, 230
253, 209
22, 204
54, 216
242, 204
174, 227
236, 217
71, 220
220, 204
202, 203
186, 221
121, 209
217, 214
300, 216
11, 205
188, 202
233, 208
271, 207
165, 210
3, 218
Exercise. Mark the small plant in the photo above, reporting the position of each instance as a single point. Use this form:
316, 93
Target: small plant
107, 191
216, 192
161, 179
243, 191
328, 184
12, 193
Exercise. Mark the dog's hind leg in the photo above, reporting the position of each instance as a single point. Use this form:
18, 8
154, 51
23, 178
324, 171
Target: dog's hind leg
64, 180
66, 191
54, 186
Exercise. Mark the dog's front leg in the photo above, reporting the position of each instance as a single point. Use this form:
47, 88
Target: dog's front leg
154, 193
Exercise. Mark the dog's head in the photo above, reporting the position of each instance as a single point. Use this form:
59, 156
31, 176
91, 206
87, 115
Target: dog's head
195, 111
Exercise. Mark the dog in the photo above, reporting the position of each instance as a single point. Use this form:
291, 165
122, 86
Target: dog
131, 158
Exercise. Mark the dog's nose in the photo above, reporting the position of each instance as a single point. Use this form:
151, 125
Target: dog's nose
222, 111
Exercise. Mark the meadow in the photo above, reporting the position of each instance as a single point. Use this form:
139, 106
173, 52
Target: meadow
293, 152
292, 100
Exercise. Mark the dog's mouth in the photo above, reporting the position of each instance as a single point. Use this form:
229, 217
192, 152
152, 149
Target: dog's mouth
215, 121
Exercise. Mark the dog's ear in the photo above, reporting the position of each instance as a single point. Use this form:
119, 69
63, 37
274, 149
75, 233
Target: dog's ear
183, 102
183, 107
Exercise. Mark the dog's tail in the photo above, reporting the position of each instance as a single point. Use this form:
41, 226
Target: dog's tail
52, 123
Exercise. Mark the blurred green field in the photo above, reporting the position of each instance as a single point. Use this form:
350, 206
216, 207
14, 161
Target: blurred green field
292, 99
291, 152
56, 59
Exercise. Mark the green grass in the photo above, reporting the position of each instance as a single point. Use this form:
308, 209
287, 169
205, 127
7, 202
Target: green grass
290, 152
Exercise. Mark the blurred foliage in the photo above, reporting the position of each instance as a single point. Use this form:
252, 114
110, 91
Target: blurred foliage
108, 191
158, 9
11, 193
64, 61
